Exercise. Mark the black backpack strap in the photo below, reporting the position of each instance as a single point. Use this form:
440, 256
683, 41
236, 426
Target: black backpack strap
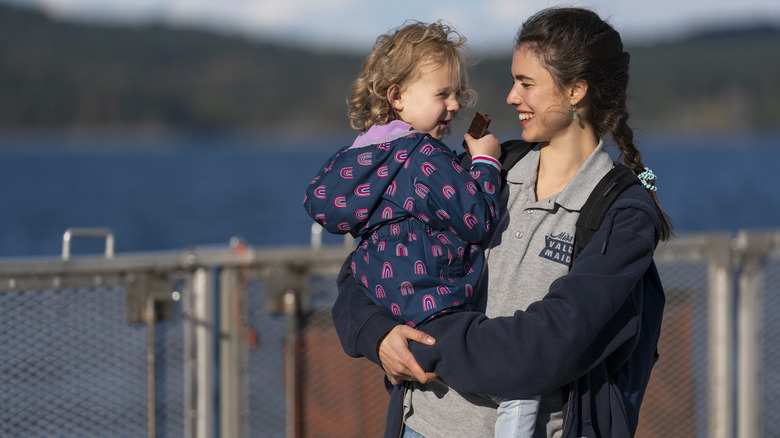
511, 152
615, 182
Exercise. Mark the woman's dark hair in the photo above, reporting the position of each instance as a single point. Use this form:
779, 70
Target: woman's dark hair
576, 44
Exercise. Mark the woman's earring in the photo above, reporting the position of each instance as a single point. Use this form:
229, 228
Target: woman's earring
574, 112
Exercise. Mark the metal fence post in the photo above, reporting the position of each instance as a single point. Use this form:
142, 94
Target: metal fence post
721, 337
291, 364
753, 249
234, 355
199, 354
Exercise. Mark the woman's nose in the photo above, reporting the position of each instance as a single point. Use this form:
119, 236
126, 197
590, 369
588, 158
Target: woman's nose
513, 98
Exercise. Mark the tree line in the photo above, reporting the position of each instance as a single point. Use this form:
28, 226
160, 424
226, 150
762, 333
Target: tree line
67, 75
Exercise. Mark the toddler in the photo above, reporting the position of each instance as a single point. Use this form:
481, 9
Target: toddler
420, 216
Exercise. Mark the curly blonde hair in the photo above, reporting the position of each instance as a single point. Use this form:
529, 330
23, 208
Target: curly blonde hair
396, 59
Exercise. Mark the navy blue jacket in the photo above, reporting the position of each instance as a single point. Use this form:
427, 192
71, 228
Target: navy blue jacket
420, 216
594, 335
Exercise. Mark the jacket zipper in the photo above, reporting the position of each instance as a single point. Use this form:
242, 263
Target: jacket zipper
568, 410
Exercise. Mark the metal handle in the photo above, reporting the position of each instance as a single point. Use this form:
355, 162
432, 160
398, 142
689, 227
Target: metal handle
70, 233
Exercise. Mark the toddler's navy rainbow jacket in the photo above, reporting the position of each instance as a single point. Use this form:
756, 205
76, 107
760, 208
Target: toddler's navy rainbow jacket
419, 214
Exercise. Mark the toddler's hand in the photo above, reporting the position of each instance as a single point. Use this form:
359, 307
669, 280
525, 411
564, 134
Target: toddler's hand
487, 145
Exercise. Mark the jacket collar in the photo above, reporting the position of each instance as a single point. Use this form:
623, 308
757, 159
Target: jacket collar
576, 192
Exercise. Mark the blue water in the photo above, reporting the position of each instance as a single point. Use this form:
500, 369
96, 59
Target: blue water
173, 192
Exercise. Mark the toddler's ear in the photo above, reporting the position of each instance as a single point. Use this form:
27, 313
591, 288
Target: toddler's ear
395, 98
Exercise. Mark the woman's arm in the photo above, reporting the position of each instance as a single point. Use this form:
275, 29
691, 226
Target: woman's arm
587, 315
363, 326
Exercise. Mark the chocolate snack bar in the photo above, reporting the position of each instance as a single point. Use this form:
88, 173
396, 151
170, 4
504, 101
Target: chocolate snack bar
478, 127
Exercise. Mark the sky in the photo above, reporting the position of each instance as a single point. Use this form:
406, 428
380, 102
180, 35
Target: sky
355, 24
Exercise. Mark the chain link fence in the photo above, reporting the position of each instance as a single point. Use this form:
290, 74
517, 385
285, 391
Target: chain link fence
240, 344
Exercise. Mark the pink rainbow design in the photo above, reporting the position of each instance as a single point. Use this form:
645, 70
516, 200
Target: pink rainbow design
419, 268
343, 226
448, 191
476, 174
444, 239
364, 159
470, 220
381, 245
409, 204
320, 218
467, 268
428, 302
387, 270
436, 251
395, 229
421, 190
457, 166
490, 187
427, 168
411, 324
412, 236
407, 288
461, 251
427, 149
443, 290
401, 251
365, 258
384, 146
401, 156
319, 192
469, 290
471, 186
391, 189
346, 173
441, 214
380, 292
423, 217
340, 202
314, 180
387, 213
396, 309
363, 190
364, 280
361, 213
353, 265
382, 172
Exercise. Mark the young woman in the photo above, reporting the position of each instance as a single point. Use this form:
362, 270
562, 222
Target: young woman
584, 336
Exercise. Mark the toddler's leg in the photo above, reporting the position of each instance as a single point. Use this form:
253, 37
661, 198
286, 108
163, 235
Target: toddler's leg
516, 418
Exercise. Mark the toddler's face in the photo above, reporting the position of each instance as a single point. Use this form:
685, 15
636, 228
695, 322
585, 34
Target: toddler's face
430, 102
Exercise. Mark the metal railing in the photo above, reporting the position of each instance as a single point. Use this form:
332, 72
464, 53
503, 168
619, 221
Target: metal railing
236, 341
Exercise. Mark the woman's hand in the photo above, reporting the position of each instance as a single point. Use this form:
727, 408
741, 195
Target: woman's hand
398, 362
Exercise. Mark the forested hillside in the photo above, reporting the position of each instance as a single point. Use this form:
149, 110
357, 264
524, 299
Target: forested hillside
65, 75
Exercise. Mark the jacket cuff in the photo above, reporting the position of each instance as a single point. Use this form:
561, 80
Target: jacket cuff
372, 330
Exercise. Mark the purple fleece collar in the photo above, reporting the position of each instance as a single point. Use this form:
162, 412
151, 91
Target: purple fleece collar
382, 134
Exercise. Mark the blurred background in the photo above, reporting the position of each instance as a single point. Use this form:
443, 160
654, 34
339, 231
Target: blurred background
194, 126
182, 122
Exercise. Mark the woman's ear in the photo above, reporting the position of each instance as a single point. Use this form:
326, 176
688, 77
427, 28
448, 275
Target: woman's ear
395, 98
577, 91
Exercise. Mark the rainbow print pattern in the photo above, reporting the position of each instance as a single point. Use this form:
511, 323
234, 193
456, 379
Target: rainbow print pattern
419, 214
